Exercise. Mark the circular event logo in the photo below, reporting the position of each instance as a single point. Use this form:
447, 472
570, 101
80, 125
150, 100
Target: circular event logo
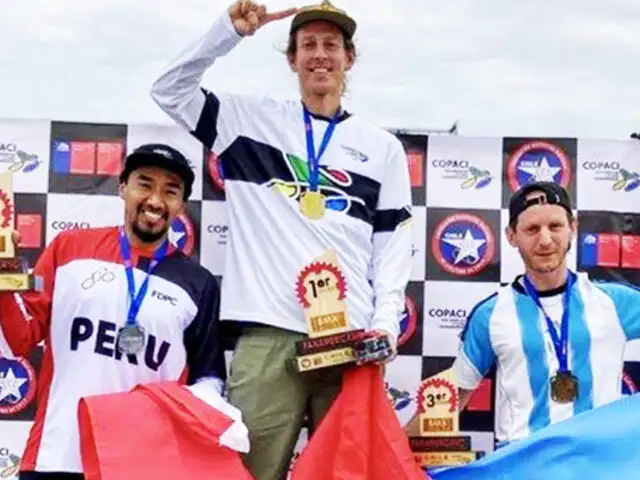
463, 244
538, 158
408, 321
181, 234
215, 170
17, 385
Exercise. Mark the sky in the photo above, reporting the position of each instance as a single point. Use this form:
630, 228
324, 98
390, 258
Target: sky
498, 67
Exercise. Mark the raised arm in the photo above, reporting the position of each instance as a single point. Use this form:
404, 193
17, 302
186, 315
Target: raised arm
211, 116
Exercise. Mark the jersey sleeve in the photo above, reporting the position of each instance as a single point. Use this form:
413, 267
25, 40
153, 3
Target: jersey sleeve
626, 299
215, 119
204, 347
25, 317
392, 243
476, 355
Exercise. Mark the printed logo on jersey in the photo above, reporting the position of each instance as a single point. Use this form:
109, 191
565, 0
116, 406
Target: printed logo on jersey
17, 160
17, 385
331, 183
100, 336
214, 166
408, 321
463, 244
9, 463
181, 234
400, 399
621, 179
538, 161
470, 177
355, 154
163, 297
102, 275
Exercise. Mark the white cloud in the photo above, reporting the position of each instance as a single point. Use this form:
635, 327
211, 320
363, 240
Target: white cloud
500, 67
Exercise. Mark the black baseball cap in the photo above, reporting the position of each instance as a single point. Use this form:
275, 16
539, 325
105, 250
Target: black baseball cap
162, 156
552, 194
325, 11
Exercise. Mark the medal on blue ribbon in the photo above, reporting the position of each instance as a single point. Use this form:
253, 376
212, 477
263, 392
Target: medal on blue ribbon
312, 201
564, 385
131, 338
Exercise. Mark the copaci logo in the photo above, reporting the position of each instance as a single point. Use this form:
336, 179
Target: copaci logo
18, 160
9, 463
471, 176
620, 178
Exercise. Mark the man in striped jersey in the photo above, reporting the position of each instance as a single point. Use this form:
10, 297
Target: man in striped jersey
557, 337
300, 177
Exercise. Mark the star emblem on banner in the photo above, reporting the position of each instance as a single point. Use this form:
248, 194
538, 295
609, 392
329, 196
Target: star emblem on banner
543, 172
10, 385
467, 247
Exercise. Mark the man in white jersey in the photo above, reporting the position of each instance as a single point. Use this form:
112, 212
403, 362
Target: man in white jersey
300, 177
120, 307
557, 338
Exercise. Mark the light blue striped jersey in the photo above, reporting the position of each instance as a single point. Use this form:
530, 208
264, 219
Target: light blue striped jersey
509, 329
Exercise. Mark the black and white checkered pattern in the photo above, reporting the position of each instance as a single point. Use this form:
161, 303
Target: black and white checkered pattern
65, 176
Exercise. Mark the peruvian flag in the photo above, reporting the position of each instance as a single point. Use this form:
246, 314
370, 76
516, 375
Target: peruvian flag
360, 438
160, 431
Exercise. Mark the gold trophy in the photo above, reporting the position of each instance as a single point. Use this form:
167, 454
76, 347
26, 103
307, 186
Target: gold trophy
14, 271
440, 443
321, 289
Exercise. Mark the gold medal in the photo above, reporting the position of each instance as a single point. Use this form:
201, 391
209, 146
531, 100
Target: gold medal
312, 205
564, 387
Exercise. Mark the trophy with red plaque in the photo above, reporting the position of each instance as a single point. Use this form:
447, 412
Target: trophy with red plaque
321, 290
440, 443
14, 271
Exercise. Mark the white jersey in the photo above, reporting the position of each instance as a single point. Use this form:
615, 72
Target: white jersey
260, 143
509, 329
78, 314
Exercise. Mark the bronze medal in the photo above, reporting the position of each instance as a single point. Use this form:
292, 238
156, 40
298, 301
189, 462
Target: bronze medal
564, 387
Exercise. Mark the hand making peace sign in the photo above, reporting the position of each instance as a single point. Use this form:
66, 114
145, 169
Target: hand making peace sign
247, 16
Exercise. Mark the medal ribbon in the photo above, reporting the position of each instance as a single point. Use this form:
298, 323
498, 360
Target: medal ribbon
560, 342
136, 300
314, 161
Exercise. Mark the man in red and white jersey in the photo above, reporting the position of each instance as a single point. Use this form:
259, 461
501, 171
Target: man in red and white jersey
120, 307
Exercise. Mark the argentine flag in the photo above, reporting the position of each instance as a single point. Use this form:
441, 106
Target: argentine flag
602, 444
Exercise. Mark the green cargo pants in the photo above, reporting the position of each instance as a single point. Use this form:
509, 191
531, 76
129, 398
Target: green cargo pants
274, 399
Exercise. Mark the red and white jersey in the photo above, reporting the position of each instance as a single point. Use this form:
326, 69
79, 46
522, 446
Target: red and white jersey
83, 305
